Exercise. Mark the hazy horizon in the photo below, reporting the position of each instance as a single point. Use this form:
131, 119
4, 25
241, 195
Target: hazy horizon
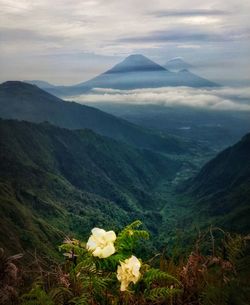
67, 43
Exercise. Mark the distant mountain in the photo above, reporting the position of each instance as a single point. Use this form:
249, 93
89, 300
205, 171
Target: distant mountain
23, 101
54, 181
177, 64
135, 63
40, 83
190, 79
222, 188
134, 72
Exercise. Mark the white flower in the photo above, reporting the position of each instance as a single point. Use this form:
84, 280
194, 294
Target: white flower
101, 243
128, 271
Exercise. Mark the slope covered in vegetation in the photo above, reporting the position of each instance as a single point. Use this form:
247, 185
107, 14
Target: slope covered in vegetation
110, 269
55, 180
221, 190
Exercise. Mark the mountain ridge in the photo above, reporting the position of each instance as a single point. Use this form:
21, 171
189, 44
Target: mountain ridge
24, 101
40, 83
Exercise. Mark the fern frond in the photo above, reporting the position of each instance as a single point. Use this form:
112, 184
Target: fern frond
59, 295
100, 284
37, 296
161, 293
87, 268
111, 262
128, 237
156, 275
78, 249
82, 300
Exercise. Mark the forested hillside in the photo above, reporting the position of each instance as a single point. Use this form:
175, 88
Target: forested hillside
55, 181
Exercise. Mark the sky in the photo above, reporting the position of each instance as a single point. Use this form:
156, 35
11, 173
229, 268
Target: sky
69, 41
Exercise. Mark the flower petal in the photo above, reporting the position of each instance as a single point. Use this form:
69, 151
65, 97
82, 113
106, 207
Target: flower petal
108, 250
128, 271
124, 286
98, 232
110, 236
91, 244
101, 243
97, 252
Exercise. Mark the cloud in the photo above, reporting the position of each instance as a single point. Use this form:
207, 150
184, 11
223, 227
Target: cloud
189, 13
160, 29
224, 98
26, 35
191, 34
175, 35
189, 46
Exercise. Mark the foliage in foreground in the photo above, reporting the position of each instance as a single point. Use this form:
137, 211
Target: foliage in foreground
95, 273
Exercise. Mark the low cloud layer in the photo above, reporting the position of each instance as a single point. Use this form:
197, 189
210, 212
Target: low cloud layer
224, 98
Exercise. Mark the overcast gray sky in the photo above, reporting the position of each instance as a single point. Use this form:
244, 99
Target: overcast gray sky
66, 42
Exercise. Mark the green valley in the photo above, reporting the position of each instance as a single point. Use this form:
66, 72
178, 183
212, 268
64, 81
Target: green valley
55, 179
